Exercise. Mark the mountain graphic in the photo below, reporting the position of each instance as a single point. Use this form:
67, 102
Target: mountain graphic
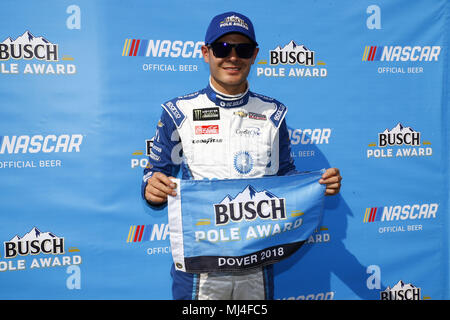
292, 46
34, 234
249, 193
400, 286
27, 38
399, 128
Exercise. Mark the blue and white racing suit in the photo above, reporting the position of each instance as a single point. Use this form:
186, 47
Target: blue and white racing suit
212, 135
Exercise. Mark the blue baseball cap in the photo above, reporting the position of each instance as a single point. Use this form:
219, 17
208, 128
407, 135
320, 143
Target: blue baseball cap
229, 22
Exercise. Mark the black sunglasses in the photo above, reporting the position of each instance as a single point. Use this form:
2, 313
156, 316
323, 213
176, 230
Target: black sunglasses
223, 49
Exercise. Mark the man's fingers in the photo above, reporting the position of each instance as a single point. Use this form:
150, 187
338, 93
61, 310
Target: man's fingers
155, 199
330, 191
330, 172
335, 179
332, 179
332, 175
164, 179
164, 188
158, 190
153, 194
158, 187
334, 186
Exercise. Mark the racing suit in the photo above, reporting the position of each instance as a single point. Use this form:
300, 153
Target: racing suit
211, 135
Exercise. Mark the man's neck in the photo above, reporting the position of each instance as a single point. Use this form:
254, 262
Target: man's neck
227, 93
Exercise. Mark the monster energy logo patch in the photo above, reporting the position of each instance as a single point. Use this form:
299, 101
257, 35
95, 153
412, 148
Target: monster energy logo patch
206, 114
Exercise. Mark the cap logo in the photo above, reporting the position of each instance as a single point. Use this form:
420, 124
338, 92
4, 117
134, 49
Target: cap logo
233, 21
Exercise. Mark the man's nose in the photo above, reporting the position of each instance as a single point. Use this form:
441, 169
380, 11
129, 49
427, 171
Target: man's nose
233, 55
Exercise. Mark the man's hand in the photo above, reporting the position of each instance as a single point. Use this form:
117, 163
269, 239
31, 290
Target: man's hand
332, 178
159, 186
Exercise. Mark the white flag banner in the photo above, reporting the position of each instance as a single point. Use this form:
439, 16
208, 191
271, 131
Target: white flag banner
235, 224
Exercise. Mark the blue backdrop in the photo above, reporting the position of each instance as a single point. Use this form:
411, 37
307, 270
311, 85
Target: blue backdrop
81, 88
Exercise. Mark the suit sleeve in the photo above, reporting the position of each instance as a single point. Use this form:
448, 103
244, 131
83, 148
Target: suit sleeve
286, 163
164, 152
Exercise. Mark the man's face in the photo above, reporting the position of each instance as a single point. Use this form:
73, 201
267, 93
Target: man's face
229, 74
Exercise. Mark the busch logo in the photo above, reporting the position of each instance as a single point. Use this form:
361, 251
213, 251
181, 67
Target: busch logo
28, 47
34, 242
398, 136
292, 54
401, 291
249, 205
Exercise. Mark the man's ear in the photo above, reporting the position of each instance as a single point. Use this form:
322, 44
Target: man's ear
205, 53
254, 55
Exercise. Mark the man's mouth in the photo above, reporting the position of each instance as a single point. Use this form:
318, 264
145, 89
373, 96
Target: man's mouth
232, 68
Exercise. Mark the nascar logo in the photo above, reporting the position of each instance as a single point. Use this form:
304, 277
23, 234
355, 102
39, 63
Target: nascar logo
401, 53
40, 143
141, 233
406, 212
160, 48
372, 215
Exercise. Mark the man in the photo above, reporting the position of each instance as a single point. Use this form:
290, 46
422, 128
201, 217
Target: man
223, 131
